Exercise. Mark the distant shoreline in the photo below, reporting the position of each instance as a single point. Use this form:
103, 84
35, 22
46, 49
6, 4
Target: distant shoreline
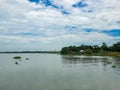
30, 52
113, 54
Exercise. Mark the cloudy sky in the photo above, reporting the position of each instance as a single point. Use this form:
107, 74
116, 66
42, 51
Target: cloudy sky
52, 24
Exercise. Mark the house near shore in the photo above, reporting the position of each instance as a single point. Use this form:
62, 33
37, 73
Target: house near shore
81, 51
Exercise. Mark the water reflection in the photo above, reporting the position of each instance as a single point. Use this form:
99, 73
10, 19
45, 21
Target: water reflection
82, 59
92, 60
116, 62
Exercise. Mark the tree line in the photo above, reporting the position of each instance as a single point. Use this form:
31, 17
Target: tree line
91, 49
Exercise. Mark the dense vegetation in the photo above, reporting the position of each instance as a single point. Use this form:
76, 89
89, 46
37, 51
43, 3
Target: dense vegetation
104, 49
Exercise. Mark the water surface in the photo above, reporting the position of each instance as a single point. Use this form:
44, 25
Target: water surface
56, 72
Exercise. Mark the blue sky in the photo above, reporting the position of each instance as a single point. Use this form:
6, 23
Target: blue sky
53, 24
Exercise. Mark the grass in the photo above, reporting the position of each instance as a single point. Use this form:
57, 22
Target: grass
116, 54
17, 57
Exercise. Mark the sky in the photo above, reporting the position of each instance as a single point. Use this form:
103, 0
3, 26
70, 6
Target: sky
53, 24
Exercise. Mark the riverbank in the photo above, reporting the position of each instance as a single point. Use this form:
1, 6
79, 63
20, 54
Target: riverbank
93, 50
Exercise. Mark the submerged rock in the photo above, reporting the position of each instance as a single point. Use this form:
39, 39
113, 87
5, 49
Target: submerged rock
16, 63
113, 66
27, 58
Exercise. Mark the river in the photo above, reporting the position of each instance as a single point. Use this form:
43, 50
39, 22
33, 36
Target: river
57, 72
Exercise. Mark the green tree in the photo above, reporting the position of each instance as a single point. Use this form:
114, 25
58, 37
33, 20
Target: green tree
64, 50
73, 49
116, 47
96, 49
104, 46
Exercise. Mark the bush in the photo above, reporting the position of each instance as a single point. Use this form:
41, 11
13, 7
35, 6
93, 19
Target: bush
88, 51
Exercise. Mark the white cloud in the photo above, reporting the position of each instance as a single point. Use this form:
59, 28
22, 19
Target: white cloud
21, 16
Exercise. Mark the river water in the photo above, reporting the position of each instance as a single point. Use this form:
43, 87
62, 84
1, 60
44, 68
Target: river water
57, 72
